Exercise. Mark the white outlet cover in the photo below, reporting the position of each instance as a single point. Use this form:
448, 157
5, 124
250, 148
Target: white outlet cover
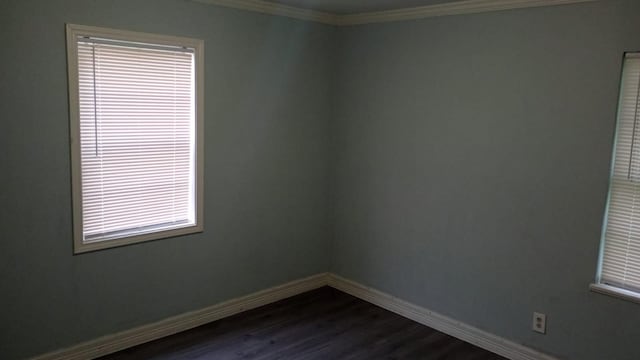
539, 322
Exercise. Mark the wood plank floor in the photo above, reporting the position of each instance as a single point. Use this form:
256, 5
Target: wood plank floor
320, 324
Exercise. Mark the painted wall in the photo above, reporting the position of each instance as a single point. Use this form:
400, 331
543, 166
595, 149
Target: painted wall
459, 163
472, 160
266, 194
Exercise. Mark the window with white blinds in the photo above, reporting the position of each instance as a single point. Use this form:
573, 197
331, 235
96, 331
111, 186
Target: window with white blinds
620, 255
135, 133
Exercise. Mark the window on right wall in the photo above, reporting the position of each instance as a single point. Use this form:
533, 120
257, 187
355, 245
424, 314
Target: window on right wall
619, 265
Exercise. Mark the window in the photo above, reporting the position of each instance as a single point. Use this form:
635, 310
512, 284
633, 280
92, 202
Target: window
619, 268
136, 114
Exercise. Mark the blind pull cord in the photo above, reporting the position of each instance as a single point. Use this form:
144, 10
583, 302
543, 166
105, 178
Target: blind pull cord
633, 134
95, 100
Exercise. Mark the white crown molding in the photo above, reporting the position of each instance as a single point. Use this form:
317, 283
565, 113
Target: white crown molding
453, 8
432, 319
420, 12
271, 8
111, 343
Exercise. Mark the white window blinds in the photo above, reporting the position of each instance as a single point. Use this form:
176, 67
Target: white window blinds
137, 137
620, 258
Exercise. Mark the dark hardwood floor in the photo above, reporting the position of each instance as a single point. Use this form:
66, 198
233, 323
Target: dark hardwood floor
321, 324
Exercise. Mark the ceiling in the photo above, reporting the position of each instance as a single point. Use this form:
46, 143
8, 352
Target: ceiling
344, 7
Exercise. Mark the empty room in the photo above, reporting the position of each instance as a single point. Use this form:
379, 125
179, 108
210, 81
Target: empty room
320, 179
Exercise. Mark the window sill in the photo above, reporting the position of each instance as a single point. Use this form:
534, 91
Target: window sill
83, 247
616, 292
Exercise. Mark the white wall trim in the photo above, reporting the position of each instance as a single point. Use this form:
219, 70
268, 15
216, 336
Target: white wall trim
115, 342
420, 12
457, 329
111, 343
453, 8
270, 8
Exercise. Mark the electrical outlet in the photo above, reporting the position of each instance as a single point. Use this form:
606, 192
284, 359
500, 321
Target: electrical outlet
539, 323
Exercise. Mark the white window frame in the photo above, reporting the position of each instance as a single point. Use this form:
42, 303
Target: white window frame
72, 34
622, 155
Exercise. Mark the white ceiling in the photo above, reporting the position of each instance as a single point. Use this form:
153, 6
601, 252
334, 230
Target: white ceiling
358, 6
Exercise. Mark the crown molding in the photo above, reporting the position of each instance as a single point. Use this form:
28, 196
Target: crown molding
412, 13
453, 8
270, 8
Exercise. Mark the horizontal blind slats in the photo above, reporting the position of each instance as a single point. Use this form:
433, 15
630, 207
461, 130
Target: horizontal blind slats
137, 126
620, 265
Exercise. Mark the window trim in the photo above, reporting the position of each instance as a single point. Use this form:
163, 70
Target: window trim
72, 32
615, 292
598, 286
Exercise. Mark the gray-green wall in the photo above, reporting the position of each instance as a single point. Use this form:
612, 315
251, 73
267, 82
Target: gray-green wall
471, 165
266, 188
459, 163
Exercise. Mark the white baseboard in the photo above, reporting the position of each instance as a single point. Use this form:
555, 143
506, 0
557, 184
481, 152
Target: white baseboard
111, 343
457, 329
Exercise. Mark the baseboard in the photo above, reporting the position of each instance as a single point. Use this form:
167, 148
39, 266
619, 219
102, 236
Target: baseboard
128, 338
111, 343
457, 329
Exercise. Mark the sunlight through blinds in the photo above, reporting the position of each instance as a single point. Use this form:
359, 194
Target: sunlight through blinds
137, 137
620, 264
